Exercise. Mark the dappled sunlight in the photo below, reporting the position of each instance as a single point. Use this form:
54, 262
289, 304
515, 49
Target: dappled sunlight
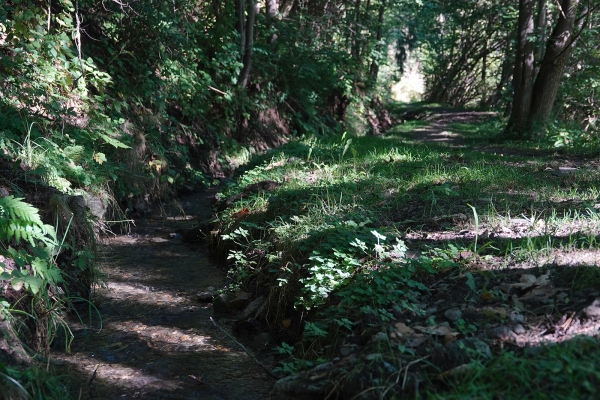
167, 339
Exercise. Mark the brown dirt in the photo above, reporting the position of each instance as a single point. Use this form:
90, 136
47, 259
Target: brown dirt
438, 130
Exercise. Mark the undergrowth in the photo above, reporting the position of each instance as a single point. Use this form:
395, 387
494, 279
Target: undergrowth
342, 246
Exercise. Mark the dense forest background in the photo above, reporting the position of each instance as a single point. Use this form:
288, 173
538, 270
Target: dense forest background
114, 106
133, 99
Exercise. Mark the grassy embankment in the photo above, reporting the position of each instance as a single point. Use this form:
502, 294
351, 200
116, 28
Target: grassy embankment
375, 236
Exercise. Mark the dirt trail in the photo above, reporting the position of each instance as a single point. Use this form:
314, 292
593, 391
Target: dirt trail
438, 128
157, 341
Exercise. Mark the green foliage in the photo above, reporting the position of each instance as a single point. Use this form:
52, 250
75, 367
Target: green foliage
559, 371
19, 220
31, 383
22, 221
36, 277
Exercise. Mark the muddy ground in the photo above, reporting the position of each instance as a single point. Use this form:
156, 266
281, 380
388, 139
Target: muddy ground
154, 339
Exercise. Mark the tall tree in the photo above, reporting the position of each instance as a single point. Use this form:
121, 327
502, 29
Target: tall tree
534, 96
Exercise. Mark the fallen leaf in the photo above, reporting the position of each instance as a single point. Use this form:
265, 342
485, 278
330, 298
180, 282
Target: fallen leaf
416, 340
539, 293
242, 213
435, 330
451, 337
403, 330
485, 295
542, 280
286, 323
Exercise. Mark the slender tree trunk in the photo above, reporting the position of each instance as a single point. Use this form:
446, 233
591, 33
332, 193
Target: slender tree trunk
558, 50
285, 7
374, 70
240, 9
248, 51
523, 73
356, 29
542, 20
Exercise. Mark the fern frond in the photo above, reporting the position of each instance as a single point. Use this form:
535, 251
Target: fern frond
22, 221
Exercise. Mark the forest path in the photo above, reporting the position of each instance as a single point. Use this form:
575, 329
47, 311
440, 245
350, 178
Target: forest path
157, 340
439, 128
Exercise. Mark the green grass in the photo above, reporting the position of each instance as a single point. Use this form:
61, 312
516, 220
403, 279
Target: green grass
558, 371
333, 235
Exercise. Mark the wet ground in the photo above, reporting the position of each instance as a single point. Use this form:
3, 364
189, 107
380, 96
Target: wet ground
153, 339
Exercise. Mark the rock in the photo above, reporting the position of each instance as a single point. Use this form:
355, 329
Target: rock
453, 314
207, 295
431, 310
262, 311
374, 357
221, 302
501, 333
314, 382
466, 350
253, 307
236, 304
593, 310
516, 317
519, 329
263, 341
347, 350
196, 233
380, 337
11, 350
96, 206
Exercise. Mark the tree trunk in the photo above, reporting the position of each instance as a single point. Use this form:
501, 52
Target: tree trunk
248, 51
542, 20
286, 7
523, 73
240, 9
374, 70
558, 50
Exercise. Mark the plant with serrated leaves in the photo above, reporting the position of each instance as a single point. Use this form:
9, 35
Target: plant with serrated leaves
20, 220
28, 247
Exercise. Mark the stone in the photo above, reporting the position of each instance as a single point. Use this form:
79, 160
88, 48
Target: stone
593, 310
252, 308
380, 337
519, 329
347, 350
221, 302
314, 382
453, 314
263, 341
374, 357
431, 310
501, 333
207, 294
96, 206
516, 317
